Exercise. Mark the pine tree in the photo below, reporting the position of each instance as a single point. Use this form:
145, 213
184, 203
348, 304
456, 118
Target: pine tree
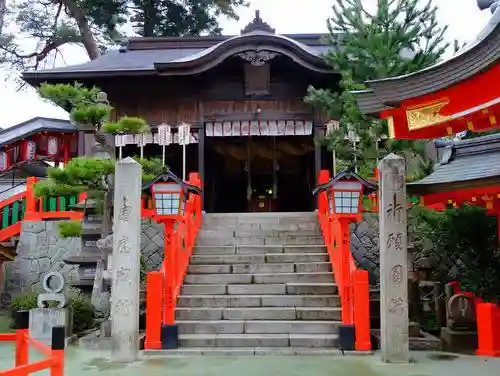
90, 174
397, 37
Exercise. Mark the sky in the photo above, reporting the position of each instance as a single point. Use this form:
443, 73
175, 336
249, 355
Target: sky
465, 21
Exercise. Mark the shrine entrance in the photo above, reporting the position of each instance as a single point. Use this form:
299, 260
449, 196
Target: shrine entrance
259, 174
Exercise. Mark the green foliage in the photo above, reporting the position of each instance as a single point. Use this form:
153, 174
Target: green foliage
68, 96
463, 243
90, 113
70, 229
83, 311
130, 125
151, 167
23, 303
397, 38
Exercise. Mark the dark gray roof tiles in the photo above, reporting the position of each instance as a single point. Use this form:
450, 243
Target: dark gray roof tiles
139, 55
32, 126
463, 162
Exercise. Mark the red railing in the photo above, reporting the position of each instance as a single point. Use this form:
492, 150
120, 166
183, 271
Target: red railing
352, 282
25, 206
488, 323
162, 287
54, 354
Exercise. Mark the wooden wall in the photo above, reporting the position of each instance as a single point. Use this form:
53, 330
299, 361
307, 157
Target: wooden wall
218, 94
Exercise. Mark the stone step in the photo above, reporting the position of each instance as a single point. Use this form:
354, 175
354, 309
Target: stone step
239, 351
296, 258
292, 239
221, 301
271, 278
228, 232
258, 313
261, 289
259, 220
257, 249
257, 327
257, 340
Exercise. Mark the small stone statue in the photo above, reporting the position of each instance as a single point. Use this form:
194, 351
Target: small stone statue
461, 313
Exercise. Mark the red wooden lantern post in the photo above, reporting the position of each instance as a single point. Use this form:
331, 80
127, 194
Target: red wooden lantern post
169, 201
170, 196
344, 199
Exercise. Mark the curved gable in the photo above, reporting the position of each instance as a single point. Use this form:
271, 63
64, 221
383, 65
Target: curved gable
260, 45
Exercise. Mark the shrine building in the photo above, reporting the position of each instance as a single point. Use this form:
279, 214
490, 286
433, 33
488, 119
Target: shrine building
252, 135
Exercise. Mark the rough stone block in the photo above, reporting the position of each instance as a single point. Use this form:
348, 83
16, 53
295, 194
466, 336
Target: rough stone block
268, 313
245, 301
318, 313
256, 289
293, 277
200, 279
305, 249
296, 257
291, 327
189, 313
314, 267
263, 268
258, 249
311, 288
203, 289
211, 327
209, 269
252, 340
301, 301
197, 340
214, 250
228, 259
42, 320
204, 301
313, 340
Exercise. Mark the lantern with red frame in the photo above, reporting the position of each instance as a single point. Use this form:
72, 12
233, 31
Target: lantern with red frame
169, 195
345, 194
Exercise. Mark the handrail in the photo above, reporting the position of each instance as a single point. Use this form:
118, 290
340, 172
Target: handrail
352, 282
54, 352
162, 292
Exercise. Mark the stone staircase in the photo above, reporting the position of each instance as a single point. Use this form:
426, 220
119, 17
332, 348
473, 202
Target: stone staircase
259, 283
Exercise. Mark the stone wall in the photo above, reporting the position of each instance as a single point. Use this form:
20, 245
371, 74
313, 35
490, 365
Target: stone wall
365, 245
40, 250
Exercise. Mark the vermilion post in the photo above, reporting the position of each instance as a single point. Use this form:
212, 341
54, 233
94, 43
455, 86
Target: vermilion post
154, 308
57, 368
22, 347
30, 199
362, 310
345, 270
170, 276
488, 329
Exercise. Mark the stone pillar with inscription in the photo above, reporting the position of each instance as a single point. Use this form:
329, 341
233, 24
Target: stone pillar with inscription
126, 261
393, 261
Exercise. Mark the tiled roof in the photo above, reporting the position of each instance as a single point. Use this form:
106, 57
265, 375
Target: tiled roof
32, 126
465, 162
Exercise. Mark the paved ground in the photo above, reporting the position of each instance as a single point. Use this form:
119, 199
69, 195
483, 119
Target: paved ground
96, 363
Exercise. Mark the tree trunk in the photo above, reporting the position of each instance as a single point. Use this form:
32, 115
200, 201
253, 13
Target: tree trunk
88, 39
3, 10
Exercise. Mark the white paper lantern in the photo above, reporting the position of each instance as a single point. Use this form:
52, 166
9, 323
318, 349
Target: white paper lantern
52, 146
184, 134
4, 161
30, 150
164, 134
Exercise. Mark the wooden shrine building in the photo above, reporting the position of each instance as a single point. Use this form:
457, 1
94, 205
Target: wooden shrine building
252, 134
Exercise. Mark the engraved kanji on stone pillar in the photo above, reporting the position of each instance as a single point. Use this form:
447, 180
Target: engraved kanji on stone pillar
126, 261
393, 260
